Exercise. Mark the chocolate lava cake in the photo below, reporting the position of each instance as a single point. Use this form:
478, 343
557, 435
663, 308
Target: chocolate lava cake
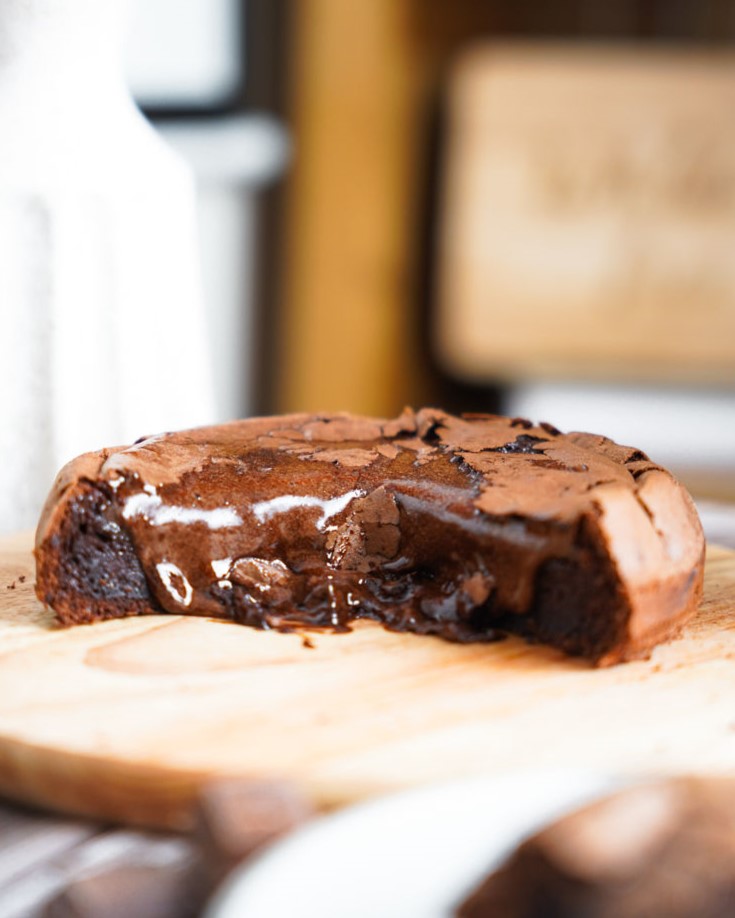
464, 527
662, 850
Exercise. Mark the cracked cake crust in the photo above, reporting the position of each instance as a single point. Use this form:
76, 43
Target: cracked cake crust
466, 527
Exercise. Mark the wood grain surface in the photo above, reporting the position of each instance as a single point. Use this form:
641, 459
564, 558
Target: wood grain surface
124, 720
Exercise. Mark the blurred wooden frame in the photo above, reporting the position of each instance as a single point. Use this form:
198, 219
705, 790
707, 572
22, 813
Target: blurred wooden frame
588, 220
350, 209
363, 79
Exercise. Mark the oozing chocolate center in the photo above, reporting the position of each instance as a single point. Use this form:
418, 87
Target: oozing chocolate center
317, 525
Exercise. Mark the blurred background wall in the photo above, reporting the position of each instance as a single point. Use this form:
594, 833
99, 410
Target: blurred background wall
513, 205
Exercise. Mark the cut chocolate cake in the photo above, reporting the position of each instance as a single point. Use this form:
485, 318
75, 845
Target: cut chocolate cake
464, 527
662, 850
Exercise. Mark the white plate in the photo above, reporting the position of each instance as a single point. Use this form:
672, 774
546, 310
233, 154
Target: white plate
410, 855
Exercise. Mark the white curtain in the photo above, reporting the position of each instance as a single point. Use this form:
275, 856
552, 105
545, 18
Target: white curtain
101, 319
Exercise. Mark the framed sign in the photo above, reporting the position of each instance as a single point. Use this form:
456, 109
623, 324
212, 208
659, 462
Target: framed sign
588, 218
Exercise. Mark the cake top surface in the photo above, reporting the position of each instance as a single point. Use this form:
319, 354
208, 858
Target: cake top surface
510, 465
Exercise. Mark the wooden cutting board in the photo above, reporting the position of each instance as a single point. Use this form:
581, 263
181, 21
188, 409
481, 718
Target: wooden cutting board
125, 719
